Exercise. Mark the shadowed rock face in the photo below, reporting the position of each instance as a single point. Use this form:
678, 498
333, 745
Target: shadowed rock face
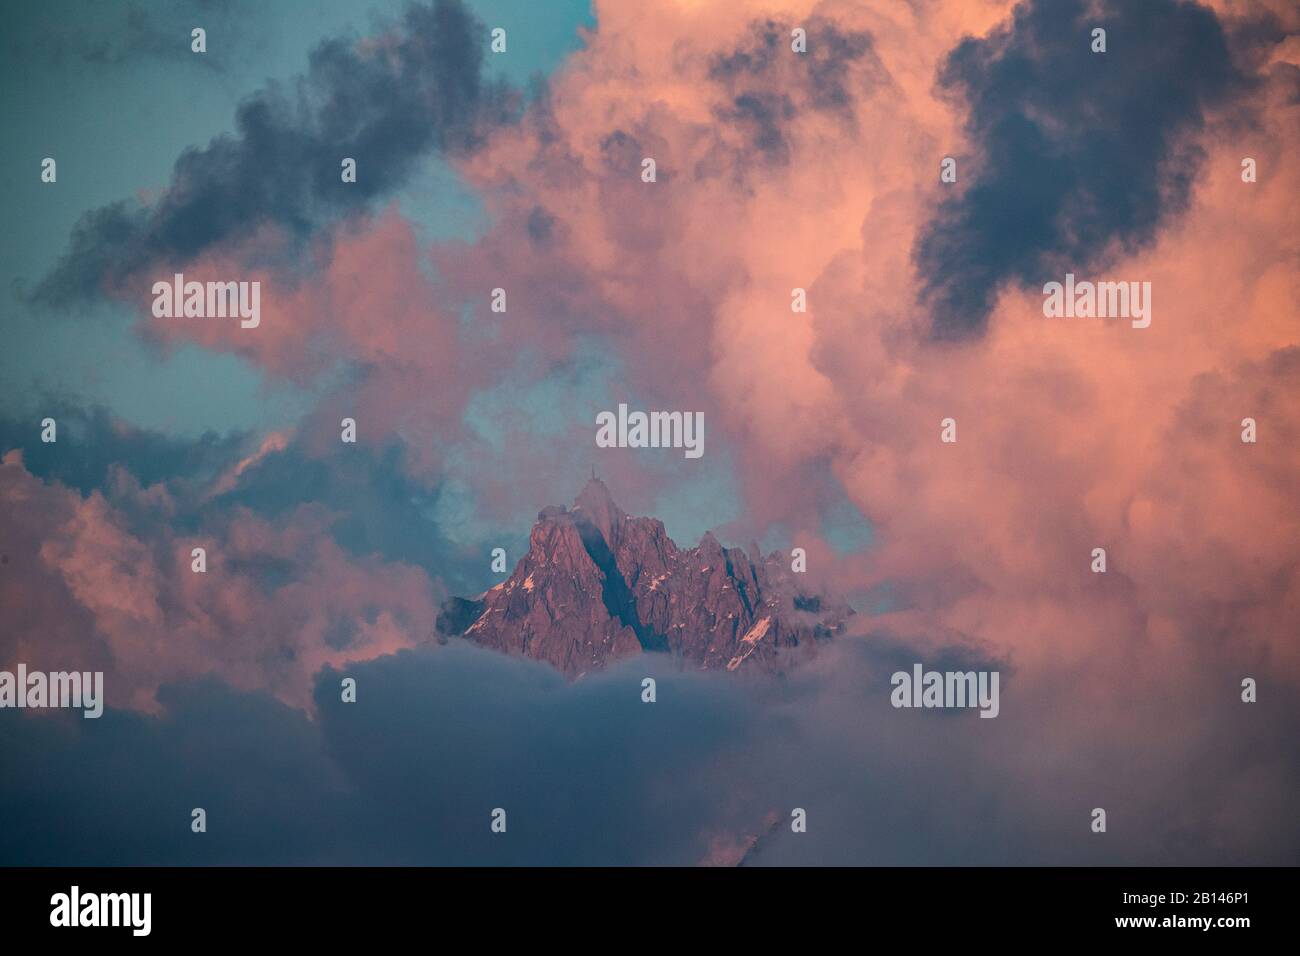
598, 585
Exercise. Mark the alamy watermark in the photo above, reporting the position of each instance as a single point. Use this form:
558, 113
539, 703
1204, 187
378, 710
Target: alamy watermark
626, 429
1098, 300
36, 689
76, 908
208, 300
922, 688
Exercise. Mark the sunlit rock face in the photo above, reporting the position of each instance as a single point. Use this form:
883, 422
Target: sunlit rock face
598, 585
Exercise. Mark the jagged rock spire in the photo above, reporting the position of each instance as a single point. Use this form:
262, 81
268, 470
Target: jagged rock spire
596, 504
597, 585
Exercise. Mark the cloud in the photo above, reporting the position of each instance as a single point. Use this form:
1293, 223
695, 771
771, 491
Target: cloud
104, 581
590, 775
363, 324
1076, 154
769, 90
415, 91
102, 441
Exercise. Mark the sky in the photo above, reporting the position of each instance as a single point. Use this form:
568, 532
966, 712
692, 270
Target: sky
776, 170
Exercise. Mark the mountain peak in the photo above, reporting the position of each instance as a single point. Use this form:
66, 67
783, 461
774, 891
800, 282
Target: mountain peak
598, 585
597, 504
595, 493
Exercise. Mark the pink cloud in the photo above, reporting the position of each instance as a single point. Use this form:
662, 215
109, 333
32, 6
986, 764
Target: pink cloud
279, 599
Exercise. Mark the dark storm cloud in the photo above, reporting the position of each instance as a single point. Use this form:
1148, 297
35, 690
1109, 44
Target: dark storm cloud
102, 441
1075, 150
409, 774
413, 91
122, 787
588, 774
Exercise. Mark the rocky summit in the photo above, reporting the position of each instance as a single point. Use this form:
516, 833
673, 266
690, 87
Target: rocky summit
598, 585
